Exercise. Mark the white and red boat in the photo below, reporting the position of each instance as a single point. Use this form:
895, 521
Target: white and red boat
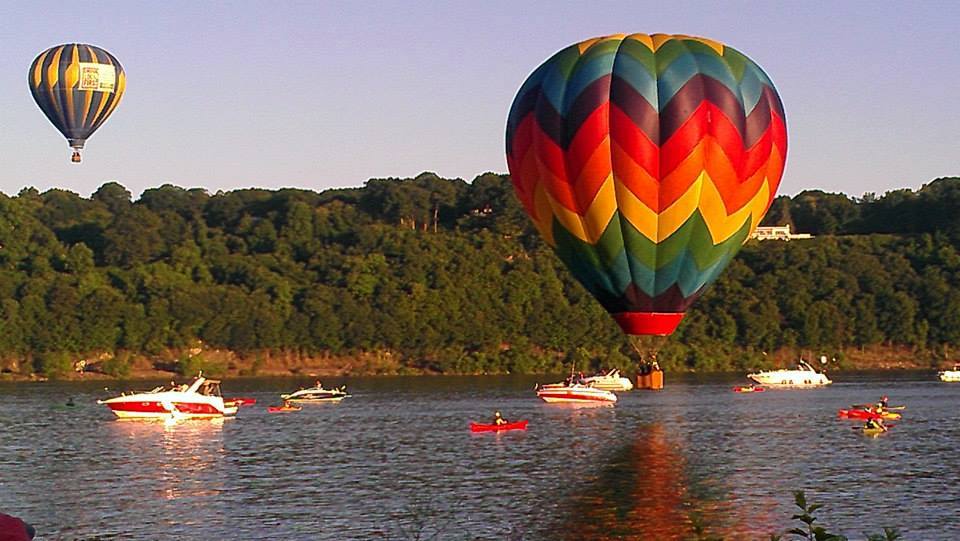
574, 393
201, 399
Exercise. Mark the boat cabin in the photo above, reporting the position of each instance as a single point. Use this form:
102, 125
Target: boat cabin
210, 387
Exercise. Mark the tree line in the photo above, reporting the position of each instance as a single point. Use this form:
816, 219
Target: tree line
447, 275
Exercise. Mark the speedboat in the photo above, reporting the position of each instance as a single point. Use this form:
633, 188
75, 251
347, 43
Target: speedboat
609, 381
317, 394
200, 399
574, 393
803, 376
950, 375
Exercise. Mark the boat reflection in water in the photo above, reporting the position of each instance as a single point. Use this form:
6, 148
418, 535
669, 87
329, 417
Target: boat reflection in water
643, 491
172, 460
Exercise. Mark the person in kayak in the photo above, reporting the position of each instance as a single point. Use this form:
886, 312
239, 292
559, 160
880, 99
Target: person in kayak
498, 420
883, 404
875, 424
881, 407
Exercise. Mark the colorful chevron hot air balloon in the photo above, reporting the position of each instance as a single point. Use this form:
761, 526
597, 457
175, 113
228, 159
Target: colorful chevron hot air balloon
646, 161
77, 86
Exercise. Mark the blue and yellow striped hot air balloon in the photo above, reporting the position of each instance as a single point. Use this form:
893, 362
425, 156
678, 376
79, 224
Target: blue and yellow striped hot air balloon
646, 161
77, 86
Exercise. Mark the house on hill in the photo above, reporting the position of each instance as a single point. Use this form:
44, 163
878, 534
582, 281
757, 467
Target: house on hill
778, 232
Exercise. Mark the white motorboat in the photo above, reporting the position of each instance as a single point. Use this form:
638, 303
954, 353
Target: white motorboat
316, 394
574, 393
950, 375
201, 399
610, 380
803, 376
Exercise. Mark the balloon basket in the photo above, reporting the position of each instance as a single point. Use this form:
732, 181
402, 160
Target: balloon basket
652, 381
75, 158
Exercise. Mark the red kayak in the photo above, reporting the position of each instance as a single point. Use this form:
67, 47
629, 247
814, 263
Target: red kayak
857, 414
748, 389
866, 414
283, 409
518, 425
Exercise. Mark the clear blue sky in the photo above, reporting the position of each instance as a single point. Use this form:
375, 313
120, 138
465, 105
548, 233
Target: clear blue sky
226, 95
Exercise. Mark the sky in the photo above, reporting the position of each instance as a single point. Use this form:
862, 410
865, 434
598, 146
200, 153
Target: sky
315, 94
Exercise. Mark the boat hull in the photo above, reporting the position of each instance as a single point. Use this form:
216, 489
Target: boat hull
179, 404
790, 378
585, 395
315, 395
860, 415
314, 400
951, 376
609, 384
282, 409
478, 427
160, 410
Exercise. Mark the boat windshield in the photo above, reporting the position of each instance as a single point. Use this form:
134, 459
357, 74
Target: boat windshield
210, 388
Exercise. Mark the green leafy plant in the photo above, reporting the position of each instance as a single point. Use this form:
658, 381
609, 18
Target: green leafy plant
889, 534
810, 531
191, 366
53, 364
118, 366
814, 532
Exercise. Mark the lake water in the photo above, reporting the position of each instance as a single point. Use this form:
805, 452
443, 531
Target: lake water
397, 461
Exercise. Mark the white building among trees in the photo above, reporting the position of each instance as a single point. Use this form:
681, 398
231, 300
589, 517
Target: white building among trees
778, 232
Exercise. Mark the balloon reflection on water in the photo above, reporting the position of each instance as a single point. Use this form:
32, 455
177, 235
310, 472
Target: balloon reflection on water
178, 458
642, 491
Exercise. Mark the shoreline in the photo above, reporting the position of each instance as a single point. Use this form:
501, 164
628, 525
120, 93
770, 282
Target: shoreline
219, 363
165, 375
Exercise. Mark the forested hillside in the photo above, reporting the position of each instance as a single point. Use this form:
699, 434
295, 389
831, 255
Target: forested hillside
443, 275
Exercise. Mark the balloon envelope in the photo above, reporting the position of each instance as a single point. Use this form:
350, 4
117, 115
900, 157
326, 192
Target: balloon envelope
646, 161
77, 86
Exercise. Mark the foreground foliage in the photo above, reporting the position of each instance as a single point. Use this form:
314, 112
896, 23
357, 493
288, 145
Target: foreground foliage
816, 532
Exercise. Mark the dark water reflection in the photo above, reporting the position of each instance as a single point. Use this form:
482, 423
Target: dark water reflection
396, 461
639, 490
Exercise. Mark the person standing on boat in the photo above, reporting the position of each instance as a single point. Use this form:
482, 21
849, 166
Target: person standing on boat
498, 420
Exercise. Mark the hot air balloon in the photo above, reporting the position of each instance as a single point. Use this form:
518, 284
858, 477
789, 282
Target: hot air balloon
77, 86
646, 161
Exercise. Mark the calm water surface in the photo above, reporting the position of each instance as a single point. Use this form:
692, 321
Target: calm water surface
397, 461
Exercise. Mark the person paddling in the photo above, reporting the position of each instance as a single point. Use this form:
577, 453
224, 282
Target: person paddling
875, 424
882, 404
498, 420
